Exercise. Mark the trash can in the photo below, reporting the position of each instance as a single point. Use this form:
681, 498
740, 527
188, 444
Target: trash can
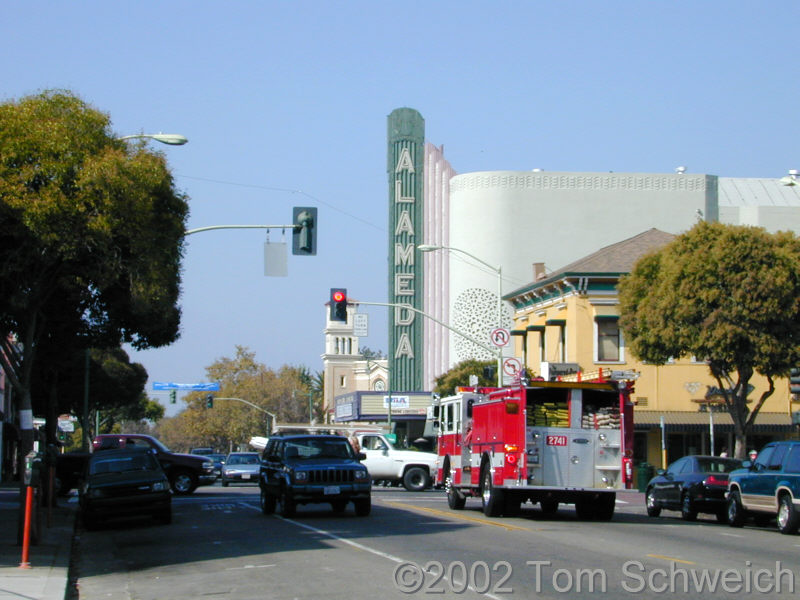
644, 473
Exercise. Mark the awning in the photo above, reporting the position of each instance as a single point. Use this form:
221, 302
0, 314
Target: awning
691, 421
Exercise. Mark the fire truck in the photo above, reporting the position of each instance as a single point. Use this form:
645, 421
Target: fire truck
547, 442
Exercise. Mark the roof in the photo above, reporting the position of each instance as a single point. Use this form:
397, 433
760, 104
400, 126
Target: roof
614, 259
684, 420
739, 191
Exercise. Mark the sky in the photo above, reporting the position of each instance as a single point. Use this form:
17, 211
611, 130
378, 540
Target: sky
285, 104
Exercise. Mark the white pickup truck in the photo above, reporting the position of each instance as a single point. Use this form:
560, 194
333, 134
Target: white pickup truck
414, 469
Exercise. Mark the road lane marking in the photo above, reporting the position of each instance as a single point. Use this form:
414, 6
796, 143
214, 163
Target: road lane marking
671, 559
375, 551
452, 515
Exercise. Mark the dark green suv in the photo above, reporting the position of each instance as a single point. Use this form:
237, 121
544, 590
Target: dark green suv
767, 488
303, 469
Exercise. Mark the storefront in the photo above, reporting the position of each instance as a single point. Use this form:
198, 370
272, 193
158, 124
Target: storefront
407, 414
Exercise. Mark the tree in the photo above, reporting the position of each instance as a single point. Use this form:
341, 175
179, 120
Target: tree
460, 374
729, 294
91, 236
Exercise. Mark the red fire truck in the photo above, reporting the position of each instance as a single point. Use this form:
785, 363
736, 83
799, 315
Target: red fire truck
549, 442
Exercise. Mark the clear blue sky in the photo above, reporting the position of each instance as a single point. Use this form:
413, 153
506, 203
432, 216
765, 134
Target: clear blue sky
285, 104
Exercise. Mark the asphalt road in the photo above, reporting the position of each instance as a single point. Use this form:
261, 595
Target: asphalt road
412, 545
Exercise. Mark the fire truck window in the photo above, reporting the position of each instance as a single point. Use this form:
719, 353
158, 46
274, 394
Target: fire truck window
448, 418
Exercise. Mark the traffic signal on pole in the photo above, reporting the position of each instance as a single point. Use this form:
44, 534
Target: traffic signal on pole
339, 304
304, 234
210, 401
173, 396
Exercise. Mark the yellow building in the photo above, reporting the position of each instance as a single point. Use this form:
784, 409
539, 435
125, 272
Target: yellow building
568, 321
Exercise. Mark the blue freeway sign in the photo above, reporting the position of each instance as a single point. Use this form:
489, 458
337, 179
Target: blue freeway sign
189, 387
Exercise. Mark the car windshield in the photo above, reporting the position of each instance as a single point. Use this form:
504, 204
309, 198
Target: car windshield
242, 459
718, 465
318, 448
121, 464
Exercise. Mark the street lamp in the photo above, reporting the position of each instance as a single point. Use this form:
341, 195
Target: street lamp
499, 271
173, 139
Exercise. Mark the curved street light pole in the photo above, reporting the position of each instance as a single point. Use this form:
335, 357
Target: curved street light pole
499, 271
273, 418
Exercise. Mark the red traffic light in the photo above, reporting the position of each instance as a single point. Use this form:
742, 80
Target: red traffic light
338, 305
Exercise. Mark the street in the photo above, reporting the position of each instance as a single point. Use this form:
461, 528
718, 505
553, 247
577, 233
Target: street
413, 545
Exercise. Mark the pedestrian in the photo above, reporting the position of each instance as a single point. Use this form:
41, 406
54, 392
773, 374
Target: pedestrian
753, 455
354, 443
724, 453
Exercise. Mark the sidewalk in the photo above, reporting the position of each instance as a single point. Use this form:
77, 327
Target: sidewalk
49, 559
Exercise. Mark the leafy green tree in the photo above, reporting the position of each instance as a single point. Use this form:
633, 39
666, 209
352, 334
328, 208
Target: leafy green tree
91, 235
728, 294
459, 376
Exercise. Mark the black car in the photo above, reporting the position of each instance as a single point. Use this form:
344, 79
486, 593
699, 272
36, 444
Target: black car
692, 484
304, 469
124, 483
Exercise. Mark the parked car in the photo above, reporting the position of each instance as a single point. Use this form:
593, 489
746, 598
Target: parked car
219, 461
768, 488
184, 471
693, 484
303, 469
241, 467
124, 483
202, 451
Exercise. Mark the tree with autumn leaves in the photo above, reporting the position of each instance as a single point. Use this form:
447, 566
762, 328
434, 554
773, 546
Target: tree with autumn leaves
727, 294
288, 394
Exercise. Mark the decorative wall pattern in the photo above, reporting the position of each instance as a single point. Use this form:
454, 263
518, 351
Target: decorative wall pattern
475, 313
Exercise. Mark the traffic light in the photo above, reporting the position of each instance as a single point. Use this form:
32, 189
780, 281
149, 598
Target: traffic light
339, 304
794, 381
173, 396
210, 401
304, 234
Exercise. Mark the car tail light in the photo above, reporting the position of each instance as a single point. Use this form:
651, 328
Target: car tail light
716, 480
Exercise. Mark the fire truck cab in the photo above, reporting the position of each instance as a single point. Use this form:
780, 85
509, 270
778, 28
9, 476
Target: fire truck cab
547, 442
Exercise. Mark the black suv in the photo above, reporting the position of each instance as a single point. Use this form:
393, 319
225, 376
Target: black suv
303, 469
768, 488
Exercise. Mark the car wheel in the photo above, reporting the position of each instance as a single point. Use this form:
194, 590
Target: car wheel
492, 498
735, 510
787, 515
653, 509
287, 505
267, 503
416, 479
183, 482
687, 508
363, 506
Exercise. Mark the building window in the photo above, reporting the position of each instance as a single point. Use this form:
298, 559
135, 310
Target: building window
342, 381
609, 339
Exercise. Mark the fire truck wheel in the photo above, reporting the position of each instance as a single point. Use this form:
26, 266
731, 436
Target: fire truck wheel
492, 498
549, 507
584, 509
416, 479
604, 507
